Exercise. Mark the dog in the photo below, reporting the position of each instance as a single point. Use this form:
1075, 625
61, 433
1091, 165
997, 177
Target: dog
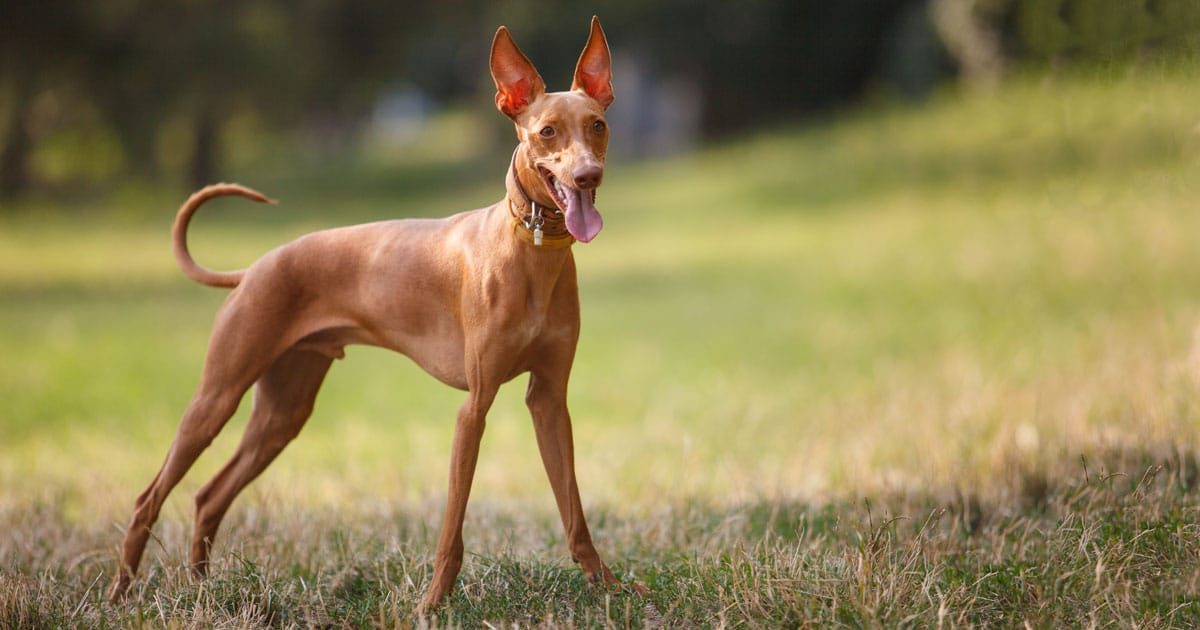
475, 299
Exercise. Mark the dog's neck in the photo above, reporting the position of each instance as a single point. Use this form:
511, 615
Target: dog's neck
527, 209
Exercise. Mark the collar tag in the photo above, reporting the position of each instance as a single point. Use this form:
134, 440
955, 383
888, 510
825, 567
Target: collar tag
534, 223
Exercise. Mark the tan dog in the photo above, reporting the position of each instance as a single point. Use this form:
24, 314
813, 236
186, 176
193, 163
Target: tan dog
475, 299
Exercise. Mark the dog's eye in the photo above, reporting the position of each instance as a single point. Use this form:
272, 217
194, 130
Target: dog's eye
598, 126
547, 132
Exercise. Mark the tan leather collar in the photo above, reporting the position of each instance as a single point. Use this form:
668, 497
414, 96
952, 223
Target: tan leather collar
548, 242
554, 234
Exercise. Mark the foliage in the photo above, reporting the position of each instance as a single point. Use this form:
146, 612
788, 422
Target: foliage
164, 91
1103, 29
137, 67
171, 79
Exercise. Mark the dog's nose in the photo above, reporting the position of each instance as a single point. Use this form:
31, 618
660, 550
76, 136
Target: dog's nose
588, 177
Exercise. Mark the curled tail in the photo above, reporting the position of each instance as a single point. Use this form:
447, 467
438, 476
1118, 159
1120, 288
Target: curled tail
190, 267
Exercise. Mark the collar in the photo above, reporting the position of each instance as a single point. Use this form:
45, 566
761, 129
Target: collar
537, 225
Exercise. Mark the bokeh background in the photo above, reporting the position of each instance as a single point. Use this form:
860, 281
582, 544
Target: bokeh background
99, 95
832, 225
944, 248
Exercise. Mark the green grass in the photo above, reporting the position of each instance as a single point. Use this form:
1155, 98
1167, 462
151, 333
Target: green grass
933, 365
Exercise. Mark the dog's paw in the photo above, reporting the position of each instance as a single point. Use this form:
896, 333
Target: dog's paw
120, 585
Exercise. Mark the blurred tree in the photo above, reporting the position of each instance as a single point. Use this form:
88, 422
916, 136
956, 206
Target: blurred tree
153, 70
207, 60
36, 50
1103, 30
1175, 23
754, 62
1108, 27
971, 38
343, 55
151, 60
1040, 26
143, 63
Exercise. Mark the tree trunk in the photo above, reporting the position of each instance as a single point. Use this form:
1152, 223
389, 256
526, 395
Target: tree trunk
14, 160
973, 43
205, 149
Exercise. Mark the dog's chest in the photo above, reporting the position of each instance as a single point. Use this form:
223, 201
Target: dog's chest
537, 314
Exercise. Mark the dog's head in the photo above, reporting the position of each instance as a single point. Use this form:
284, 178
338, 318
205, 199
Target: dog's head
564, 133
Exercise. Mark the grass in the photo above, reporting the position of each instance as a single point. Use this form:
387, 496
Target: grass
915, 366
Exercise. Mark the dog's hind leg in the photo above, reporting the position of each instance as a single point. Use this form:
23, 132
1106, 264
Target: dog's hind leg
283, 401
243, 345
204, 418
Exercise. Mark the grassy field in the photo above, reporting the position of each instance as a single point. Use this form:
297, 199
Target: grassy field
927, 366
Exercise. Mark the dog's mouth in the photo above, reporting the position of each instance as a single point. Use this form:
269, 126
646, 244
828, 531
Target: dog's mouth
578, 206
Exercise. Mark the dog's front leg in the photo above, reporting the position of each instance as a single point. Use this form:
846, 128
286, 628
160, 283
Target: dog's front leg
465, 452
547, 402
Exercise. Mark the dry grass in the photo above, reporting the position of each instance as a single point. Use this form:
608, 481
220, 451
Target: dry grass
1113, 539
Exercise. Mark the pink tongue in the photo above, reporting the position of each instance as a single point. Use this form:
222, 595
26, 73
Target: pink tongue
583, 220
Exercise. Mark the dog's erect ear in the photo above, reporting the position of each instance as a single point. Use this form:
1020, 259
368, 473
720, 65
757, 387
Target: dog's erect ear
517, 81
593, 73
